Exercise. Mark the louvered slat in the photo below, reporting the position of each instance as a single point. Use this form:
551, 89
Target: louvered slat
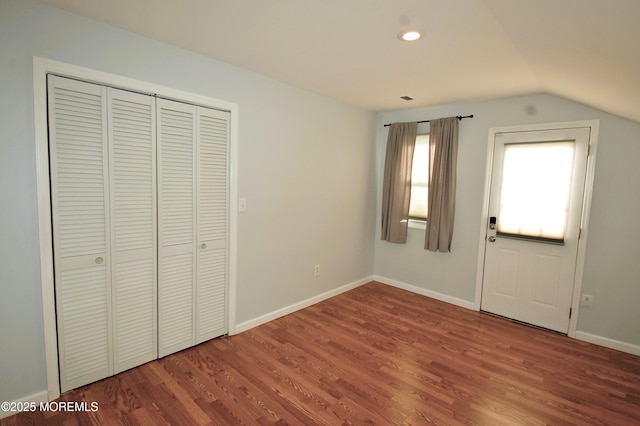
134, 313
133, 177
132, 170
80, 208
213, 137
177, 223
176, 231
176, 311
77, 154
212, 189
211, 300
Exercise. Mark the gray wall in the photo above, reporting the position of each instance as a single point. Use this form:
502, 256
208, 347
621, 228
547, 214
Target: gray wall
306, 165
612, 266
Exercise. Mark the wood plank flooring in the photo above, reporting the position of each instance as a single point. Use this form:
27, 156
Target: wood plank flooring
373, 355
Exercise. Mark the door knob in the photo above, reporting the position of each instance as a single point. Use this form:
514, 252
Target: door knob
492, 239
99, 260
203, 246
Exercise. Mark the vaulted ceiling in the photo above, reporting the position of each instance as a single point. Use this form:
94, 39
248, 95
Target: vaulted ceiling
584, 50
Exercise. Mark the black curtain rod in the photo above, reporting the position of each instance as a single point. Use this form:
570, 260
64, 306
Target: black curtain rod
459, 117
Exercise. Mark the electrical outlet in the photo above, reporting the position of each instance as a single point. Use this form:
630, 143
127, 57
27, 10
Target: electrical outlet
587, 300
316, 270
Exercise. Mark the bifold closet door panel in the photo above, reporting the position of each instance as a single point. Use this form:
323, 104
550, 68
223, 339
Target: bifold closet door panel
80, 222
212, 225
176, 226
132, 160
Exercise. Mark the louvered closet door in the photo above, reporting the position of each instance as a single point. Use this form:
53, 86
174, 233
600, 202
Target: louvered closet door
80, 210
139, 191
132, 159
212, 229
176, 226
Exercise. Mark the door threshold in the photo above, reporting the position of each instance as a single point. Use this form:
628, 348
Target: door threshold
523, 323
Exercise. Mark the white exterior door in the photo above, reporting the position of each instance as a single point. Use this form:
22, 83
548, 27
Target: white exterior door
535, 212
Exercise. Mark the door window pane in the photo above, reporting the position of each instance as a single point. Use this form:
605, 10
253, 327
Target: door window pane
535, 190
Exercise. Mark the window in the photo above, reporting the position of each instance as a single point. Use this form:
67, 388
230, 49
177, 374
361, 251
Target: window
534, 200
419, 179
398, 205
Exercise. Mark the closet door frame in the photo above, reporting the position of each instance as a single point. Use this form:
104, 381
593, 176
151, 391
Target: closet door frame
43, 67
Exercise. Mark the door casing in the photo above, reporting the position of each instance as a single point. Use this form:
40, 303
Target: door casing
586, 207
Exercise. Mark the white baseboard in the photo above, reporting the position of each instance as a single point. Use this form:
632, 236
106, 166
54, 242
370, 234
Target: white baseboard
579, 335
424, 292
36, 397
608, 343
239, 328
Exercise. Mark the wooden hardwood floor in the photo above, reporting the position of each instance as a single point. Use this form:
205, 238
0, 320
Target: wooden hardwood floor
374, 355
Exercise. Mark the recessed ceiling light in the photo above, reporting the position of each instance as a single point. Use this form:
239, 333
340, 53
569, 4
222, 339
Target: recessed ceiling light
411, 35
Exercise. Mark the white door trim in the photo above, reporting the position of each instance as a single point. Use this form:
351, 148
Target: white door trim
594, 125
41, 67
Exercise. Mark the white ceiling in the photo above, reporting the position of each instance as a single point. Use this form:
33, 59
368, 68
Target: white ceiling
584, 50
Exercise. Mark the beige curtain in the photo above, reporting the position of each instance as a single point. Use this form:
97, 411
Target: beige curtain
442, 183
396, 187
